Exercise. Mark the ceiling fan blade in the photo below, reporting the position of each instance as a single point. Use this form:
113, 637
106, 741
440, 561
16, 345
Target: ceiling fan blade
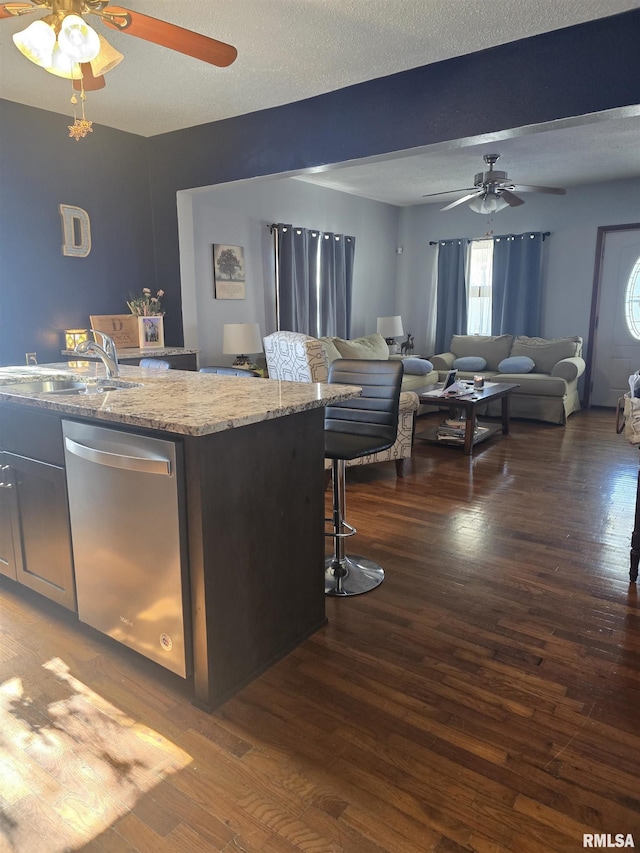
463, 199
168, 35
89, 83
449, 192
14, 10
524, 188
511, 199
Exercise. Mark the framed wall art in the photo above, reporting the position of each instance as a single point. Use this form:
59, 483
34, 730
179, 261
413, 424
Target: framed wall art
228, 272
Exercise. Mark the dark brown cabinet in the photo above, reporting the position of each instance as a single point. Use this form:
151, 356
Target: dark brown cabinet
35, 538
8, 516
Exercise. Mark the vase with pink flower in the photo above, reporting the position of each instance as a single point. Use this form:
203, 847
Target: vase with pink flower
150, 315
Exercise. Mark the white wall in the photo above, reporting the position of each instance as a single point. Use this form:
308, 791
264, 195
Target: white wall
572, 219
238, 214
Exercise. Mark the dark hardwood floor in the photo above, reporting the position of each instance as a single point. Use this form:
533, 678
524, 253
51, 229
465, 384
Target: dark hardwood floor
486, 697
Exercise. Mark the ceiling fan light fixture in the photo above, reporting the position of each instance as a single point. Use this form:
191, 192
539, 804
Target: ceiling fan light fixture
78, 40
487, 203
107, 58
36, 42
62, 66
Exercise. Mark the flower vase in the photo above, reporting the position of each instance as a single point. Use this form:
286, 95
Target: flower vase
151, 331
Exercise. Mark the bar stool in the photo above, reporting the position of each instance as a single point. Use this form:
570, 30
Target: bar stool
354, 428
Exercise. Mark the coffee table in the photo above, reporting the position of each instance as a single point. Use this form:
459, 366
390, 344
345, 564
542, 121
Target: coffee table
469, 403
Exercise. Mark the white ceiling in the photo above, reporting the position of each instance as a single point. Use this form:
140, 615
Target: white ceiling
294, 49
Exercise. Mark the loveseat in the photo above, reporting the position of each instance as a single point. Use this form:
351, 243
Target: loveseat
300, 358
547, 371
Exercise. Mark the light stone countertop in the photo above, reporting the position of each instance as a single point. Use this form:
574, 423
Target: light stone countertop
175, 401
137, 352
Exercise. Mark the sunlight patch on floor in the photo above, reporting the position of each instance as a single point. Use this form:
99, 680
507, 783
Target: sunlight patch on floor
69, 768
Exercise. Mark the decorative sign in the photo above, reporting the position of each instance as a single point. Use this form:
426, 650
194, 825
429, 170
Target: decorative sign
76, 231
228, 272
123, 328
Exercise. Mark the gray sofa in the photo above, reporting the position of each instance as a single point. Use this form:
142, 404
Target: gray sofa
547, 371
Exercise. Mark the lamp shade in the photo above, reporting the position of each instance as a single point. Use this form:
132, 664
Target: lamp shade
107, 58
78, 40
390, 327
62, 66
36, 42
241, 338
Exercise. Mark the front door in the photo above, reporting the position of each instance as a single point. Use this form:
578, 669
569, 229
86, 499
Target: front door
616, 352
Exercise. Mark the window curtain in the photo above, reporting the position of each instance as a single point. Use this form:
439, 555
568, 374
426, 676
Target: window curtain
451, 297
314, 281
517, 284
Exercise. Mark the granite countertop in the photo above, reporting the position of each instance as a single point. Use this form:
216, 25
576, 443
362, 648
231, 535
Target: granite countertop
177, 401
137, 352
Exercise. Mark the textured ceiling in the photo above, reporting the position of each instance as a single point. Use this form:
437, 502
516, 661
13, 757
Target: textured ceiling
293, 49
287, 50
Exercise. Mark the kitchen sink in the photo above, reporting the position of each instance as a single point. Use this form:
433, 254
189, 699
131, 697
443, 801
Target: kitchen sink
67, 386
46, 386
116, 384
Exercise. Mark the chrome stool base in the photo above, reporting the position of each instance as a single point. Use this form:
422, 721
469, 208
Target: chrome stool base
352, 575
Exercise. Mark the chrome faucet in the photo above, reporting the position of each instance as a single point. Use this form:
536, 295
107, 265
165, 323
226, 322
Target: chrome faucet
106, 353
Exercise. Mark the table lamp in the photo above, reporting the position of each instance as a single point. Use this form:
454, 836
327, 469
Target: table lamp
391, 328
239, 339
72, 337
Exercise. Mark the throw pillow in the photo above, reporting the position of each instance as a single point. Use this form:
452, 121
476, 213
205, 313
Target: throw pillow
330, 349
516, 364
470, 363
370, 346
492, 347
546, 352
417, 366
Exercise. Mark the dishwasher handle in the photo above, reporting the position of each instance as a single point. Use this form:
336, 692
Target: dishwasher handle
119, 460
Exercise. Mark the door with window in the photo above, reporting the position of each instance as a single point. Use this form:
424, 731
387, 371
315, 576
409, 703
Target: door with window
616, 352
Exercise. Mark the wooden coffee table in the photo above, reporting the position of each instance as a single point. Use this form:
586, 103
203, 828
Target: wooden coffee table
469, 403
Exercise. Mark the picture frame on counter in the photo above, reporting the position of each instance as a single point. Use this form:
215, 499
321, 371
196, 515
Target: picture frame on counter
151, 331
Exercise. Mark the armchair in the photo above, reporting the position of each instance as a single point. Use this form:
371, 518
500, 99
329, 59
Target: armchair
295, 357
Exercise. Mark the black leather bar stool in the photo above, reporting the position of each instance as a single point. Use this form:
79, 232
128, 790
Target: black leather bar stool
354, 428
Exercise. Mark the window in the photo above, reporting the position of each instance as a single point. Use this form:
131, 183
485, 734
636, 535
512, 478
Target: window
479, 273
632, 302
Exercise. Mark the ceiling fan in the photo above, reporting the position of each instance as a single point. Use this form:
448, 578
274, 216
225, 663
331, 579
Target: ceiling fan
65, 45
493, 190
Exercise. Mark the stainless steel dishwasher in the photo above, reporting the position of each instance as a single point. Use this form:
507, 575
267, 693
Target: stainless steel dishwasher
127, 530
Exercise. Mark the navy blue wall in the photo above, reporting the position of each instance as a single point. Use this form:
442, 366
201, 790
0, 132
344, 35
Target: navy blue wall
41, 290
571, 72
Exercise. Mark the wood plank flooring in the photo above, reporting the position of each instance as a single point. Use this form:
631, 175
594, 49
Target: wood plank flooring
485, 698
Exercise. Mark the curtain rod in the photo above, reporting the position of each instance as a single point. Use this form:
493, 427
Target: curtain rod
436, 242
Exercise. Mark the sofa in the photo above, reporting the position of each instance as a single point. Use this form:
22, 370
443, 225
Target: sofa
300, 358
547, 371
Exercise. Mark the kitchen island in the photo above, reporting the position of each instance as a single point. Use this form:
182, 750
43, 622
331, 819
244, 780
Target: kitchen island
253, 494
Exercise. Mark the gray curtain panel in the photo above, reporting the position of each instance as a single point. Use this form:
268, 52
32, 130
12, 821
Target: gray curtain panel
517, 284
451, 296
315, 281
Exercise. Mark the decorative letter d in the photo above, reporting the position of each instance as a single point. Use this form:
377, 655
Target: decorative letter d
76, 231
